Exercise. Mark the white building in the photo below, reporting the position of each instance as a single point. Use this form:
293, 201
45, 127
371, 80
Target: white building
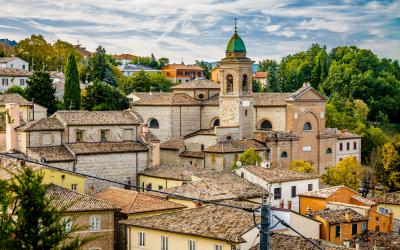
13, 63
130, 69
282, 183
348, 144
13, 77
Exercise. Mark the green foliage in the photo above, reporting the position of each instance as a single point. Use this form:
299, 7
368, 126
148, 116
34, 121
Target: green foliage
72, 90
17, 89
162, 61
207, 67
250, 157
151, 61
257, 87
301, 166
102, 96
347, 172
271, 67
388, 167
40, 89
146, 81
373, 138
109, 78
29, 220
62, 49
99, 64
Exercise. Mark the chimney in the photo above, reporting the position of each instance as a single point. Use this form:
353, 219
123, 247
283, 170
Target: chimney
12, 122
347, 216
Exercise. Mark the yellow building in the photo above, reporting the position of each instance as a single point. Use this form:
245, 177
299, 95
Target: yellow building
390, 204
215, 74
57, 176
203, 228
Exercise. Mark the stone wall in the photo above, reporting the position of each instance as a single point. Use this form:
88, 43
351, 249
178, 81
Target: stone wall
275, 115
208, 114
44, 138
93, 133
185, 120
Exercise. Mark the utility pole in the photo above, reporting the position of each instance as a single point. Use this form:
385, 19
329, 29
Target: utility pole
265, 224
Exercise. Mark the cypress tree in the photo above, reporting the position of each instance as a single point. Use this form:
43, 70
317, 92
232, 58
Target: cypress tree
72, 90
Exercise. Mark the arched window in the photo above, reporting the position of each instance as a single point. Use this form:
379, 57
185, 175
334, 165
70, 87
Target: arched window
153, 123
215, 123
229, 83
307, 126
284, 154
328, 151
228, 138
201, 96
266, 125
244, 83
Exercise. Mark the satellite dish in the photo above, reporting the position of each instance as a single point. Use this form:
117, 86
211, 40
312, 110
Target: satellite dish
239, 164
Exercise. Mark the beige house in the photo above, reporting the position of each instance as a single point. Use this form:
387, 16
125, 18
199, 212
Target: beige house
107, 144
96, 217
205, 227
283, 126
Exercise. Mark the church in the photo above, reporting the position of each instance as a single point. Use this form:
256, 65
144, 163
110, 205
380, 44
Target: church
209, 124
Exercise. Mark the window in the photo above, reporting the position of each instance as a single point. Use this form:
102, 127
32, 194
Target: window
4, 81
201, 96
310, 187
104, 135
266, 125
202, 147
228, 138
74, 187
164, 243
307, 126
341, 146
160, 187
277, 193
95, 223
328, 151
22, 82
215, 123
217, 247
244, 83
363, 226
149, 186
141, 239
294, 191
348, 146
229, 83
192, 245
12, 65
23, 66
153, 123
337, 231
354, 229
79, 135
284, 154
354, 145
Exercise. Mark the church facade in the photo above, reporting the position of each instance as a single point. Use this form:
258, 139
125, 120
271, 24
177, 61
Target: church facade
210, 124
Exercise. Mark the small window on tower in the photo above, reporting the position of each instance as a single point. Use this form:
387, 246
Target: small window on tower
229, 83
244, 83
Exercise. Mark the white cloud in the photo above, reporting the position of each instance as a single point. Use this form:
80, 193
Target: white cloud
272, 28
286, 33
323, 24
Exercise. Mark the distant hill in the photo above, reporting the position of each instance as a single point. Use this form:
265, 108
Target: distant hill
12, 43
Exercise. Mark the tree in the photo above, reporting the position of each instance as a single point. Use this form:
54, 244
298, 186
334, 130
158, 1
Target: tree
37, 52
388, 169
99, 64
271, 67
347, 172
249, 157
17, 89
257, 87
109, 78
373, 138
62, 49
72, 89
146, 81
102, 96
28, 218
40, 90
301, 166
207, 67
162, 61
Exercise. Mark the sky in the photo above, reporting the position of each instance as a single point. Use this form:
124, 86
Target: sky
200, 29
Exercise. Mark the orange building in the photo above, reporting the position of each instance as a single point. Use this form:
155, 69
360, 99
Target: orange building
341, 197
215, 74
180, 73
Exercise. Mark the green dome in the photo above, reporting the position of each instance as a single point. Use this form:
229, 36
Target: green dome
236, 44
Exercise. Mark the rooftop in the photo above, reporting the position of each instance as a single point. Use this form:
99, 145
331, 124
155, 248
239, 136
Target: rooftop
48, 123
132, 202
183, 66
271, 99
83, 117
175, 172
51, 153
235, 146
274, 175
76, 202
124, 57
82, 148
210, 221
15, 72
260, 74
7, 59
340, 216
13, 98
236, 44
199, 83
324, 192
164, 98
345, 134
173, 143
136, 68
372, 239
389, 198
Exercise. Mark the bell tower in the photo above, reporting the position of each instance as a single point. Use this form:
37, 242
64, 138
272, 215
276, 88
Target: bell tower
236, 95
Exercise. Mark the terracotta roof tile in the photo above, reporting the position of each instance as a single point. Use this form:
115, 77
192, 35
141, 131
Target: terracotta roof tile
132, 202
274, 175
339, 216
345, 134
13, 98
83, 117
51, 153
176, 172
260, 74
169, 99
373, 240
210, 131
15, 72
82, 148
192, 154
184, 66
323, 192
77, 202
235, 146
363, 200
289, 242
48, 123
270, 99
212, 101
210, 221
199, 83
389, 198
173, 143
7, 59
